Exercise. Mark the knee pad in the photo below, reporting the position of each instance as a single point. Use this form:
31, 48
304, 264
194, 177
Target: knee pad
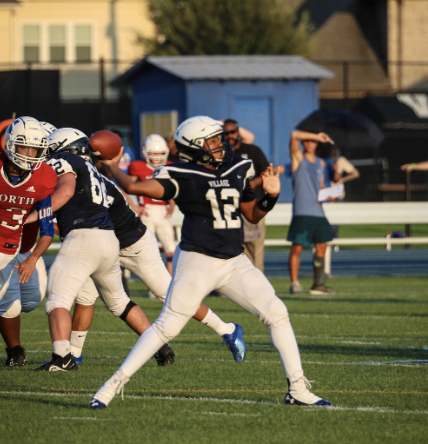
168, 326
128, 308
30, 306
57, 302
276, 313
13, 311
86, 299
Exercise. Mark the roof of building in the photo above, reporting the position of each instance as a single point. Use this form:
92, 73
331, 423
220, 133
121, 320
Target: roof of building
231, 68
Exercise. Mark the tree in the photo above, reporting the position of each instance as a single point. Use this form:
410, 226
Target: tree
226, 27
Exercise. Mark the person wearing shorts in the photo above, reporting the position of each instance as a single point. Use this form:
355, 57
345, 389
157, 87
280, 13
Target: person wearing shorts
309, 225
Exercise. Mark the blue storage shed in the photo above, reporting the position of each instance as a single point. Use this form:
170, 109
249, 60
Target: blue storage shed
268, 95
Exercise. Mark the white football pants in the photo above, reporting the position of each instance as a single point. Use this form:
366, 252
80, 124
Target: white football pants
160, 225
87, 253
144, 260
195, 275
24, 297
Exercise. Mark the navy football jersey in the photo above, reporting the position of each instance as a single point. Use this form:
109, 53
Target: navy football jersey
210, 201
128, 227
88, 208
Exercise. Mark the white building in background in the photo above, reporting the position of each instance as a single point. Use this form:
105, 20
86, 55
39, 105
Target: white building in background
72, 35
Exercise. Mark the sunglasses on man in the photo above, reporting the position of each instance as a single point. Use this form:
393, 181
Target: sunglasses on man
234, 131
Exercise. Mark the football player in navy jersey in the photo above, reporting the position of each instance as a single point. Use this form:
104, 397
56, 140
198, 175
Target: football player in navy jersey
139, 253
212, 192
89, 249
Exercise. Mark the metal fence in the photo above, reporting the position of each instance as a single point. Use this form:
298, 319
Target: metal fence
86, 80
356, 79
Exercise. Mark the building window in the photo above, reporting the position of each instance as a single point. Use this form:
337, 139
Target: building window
31, 38
158, 123
83, 40
57, 43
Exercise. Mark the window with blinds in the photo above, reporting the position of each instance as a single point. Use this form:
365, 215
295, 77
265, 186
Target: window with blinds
162, 123
57, 43
31, 40
83, 39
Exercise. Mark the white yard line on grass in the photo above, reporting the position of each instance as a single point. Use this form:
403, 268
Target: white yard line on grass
395, 363
249, 335
88, 418
222, 400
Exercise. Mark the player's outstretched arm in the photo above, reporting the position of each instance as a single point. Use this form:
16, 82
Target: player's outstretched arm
254, 211
150, 188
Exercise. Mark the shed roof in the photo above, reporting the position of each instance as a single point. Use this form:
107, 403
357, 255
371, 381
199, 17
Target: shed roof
231, 68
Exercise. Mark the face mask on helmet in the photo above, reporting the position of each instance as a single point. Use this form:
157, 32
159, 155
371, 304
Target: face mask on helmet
201, 140
71, 140
25, 143
155, 150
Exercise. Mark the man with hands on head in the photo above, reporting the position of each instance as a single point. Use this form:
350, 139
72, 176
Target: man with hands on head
213, 192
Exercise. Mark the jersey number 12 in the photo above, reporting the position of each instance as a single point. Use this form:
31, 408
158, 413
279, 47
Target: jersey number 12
228, 209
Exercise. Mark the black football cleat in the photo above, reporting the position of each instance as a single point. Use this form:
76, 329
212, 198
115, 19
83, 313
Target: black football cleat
15, 356
165, 356
58, 364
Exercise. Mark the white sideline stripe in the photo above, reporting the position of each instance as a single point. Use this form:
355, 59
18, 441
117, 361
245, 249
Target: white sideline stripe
396, 363
382, 347
225, 400
82, 418
227, 414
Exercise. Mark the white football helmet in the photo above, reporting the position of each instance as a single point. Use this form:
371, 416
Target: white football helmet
26, 131
49, 128
155, 150
69, 139
190, 139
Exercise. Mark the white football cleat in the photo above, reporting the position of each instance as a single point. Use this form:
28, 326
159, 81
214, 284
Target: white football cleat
109, 390
299, 394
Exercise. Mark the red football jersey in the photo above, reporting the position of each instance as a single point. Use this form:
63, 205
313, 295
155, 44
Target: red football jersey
29, 236
143, 171
17, 202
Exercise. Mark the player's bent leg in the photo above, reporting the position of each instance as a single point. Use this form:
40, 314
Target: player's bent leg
183, 300
144, 260
249, 288
83, 253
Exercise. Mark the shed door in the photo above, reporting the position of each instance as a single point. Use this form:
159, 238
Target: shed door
254, 113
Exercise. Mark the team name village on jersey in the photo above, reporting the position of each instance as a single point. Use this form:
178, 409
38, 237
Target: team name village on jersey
219, 183
210, 201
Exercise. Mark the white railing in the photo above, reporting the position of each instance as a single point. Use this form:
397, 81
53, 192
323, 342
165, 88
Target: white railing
373, 213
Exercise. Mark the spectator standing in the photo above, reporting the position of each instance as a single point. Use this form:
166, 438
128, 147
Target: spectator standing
254, 234
309, 224
337, 170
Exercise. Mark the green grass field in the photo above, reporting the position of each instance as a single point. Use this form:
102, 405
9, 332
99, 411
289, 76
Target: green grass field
360, 348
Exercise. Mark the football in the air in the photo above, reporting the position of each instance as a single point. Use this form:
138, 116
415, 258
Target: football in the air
105, 144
